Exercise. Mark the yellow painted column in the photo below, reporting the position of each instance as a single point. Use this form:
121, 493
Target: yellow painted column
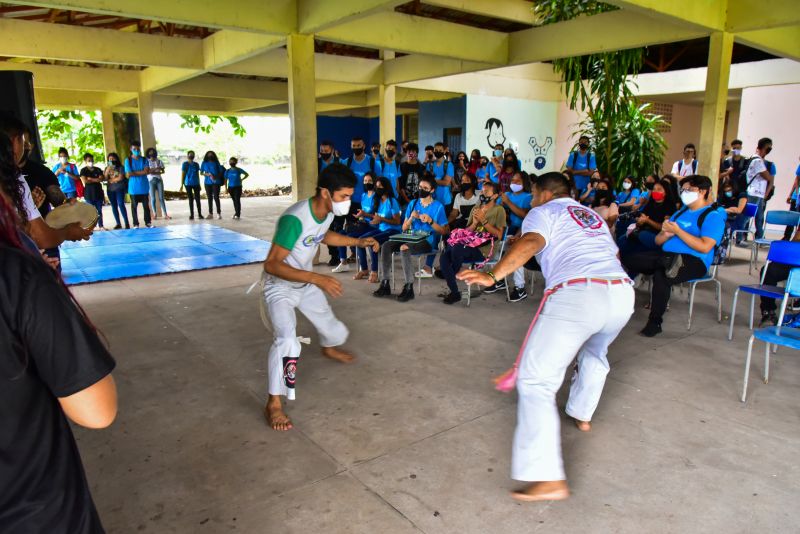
302, 114
146, 130
714, 105
109, 142
386, 106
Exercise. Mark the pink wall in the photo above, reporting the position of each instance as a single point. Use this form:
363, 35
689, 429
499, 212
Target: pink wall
685, 129
774, 112
566, 126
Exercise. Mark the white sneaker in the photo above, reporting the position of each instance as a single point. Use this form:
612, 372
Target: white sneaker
341, 268
423, 274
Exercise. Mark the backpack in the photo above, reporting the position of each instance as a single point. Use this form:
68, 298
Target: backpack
694, 166
721, 248
574, 157
334, 159
349, 162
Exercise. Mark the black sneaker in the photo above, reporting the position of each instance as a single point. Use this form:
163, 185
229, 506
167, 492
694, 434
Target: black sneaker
118, 227
517, 294
494, 288
333, 262
651, 329
384, 290
452, 298
407, 293
768, 318
438, 274
191, 217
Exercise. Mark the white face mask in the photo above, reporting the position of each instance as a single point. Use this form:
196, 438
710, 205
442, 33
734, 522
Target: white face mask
89, 164
737, 151
340, 208
516, 188
626, 185
64, 159
689, 197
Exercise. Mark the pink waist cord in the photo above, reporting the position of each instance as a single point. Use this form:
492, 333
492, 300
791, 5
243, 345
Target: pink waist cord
508, 380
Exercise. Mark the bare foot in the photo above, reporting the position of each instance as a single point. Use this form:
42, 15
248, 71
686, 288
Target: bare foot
555, 490
583, 426
335, 353
276, 418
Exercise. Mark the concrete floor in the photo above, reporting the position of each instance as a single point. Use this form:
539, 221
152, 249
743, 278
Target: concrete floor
413, 438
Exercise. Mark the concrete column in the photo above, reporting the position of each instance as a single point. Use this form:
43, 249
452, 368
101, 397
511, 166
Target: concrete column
386, 106
715, 101
146, 130
109, 141
302, 114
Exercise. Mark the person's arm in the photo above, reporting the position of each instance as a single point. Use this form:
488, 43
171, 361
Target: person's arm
770, 181
700, 244
276, 266
335, 239
46, 237
516, 210
93, 407
586, 193
520, 252
793, 189
739, 208
246, 175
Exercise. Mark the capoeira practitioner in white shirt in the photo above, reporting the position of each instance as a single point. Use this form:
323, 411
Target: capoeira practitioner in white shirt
588, 300
291, 284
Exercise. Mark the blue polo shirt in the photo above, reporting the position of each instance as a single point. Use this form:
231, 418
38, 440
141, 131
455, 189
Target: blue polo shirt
713, 226
321, 163
360, 168
626, 196
794, 192
191, 170
581, 162
443, 193
391, 170
388, 209
368, 202
137, 185
234, 176
214, 168
520, 200
66, 183
436, 212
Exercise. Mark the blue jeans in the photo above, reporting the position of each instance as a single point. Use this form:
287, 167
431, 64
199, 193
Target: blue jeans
157, 192
742, 222
379, 236
358, 231
98, 205
117, 201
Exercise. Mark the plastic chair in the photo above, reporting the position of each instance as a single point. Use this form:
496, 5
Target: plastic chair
786, 252
711, 276
498, 253
775, 335
777, 217
750, 211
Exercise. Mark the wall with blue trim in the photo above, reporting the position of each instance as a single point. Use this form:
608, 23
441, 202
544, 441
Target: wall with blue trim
340, 130
434, 117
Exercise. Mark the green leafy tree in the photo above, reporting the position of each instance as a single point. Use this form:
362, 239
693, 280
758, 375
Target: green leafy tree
206, 123
77, 131
626, 136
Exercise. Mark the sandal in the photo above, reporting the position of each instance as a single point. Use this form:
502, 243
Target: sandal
360, 275
373, 277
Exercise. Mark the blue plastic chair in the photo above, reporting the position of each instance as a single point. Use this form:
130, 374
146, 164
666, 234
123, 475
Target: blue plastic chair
749, 211
779, 218
786, 252
775, 335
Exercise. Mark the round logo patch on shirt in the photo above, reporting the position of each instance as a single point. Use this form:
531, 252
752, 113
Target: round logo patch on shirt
290, 371
585, 218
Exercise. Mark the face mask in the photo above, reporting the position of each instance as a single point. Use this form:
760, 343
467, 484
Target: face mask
626, 185
484, 163
658, 196
64, 159
689, 197
390, 154
649, 186
340, 208
376, 151
358, 151
412, 155
769, 149
438, 154
136, 152
485, 199
516, 188
424, 194
324, 155
380, 191
583, 146
465, 187
369, 187
729, 194
737, 151
111, 163
498, 153
90, 164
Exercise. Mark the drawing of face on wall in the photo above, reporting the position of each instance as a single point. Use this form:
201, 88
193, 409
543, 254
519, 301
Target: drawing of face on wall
540, 151
496, 135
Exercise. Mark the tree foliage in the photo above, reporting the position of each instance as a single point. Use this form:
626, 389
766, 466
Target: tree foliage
206, 123
625, 135
77, 131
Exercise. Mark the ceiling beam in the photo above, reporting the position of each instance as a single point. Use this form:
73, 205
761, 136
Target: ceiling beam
278, 17
620, 30
706, 14
422, 67
211, 86
783, 42
77, 78
419, 35
317, 15
746, 15
42, 40
510, 10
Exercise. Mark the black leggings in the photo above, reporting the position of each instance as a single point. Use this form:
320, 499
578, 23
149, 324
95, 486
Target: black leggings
453, 258
212, 192
236, 195
653, 262
193, 192
135, 201
776, 272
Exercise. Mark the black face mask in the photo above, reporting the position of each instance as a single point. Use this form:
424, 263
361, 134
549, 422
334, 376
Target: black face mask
769, 149
369, 187
465, 187
379, 191
376, 151
649, 186
601, 195
437, 154
424, 194
485, 199
115, 163
583, 146
390, 154
325, 155
191, 158
358, 151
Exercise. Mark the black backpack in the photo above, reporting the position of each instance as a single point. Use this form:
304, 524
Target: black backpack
694, 166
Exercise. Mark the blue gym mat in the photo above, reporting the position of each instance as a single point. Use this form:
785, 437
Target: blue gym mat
118, 254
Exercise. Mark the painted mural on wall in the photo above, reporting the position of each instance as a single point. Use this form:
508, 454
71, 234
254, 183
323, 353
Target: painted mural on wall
527, 126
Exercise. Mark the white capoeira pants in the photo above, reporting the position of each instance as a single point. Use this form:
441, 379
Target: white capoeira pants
582, 319
281, 299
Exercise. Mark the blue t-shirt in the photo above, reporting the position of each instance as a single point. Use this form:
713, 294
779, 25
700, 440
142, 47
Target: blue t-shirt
391, 170
360, 168
443, 193
581, 162
66, 183
435, 210
388, 209
137, 185
214, 168
191, 171
368, 202
713, 226
234, 176
794, 192
323, 163
626, 196
484, 173
521, 200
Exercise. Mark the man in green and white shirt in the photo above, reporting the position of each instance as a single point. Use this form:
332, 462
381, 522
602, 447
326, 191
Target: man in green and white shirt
291, 284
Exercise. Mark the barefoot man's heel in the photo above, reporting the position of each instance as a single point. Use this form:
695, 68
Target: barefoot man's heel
335, 353
275, 416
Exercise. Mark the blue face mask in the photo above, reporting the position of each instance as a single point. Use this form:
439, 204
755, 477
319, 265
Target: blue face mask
498, 153
729, 194
136, 152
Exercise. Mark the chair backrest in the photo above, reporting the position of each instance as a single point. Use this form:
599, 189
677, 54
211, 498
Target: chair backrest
793, 283
783, 217
750, 210
787, 252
